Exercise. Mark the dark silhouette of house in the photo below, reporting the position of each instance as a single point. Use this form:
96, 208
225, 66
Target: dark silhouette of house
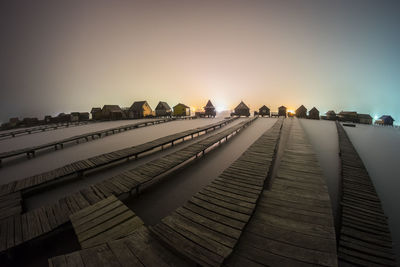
348, 116
163, 109
83, 116
29, 121
181, 110
364, 118
62, 117
313, 114
74, 116
209, 110
140, 109
385, 120
264, 111
331, 115
96, 113
242, 110
301, 112
112, 112
282, 111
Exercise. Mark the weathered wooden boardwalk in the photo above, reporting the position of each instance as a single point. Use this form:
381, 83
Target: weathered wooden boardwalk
59, 144
81, 166
107, 220
207, 228
139, 249
364, 232
23, 228
292, 224
43, 128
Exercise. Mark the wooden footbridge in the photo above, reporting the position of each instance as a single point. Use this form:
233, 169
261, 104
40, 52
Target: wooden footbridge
364, 237
43, 128
80, 167
59, 144
19, 228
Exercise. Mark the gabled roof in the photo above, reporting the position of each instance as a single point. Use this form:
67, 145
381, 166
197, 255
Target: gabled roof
242, 106
137, 105
95, 110
301, 108
331, 112
180, 104
282, 107
314, 110
209, 104
364, 116
113, 108
264, 107
385, 117
163, 105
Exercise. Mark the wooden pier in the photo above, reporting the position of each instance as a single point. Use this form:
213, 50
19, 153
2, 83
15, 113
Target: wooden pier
139, 249
43, 128
207, 228
107, 220
364, 237
292, 224
59, 144
23, 228
80, 167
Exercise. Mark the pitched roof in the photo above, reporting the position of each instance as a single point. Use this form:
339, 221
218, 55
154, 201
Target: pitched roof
314, 110
163, 105
180, 104
113, 108
264, 107
282, 107
331, 112
137, 105
364, 116
242, 106
95, 110
209, 104
385, 117
301, 108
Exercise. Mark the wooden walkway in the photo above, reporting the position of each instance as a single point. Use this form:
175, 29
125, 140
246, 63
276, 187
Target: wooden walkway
292, 224
81, 166
104, 221
139, 249
19, 229
207, 228
59, 144
43, 128
364, 232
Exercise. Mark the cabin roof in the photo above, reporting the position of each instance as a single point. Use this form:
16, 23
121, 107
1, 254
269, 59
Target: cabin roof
163, 105
242, 105
301, 108
112, 108
264, 107
314, 109
331, 112
95, 110
364, 116
137, 105
353, 113
386, 117
209, 104
180, 104
282, 107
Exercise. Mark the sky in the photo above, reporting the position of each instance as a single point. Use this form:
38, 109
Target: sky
63, 56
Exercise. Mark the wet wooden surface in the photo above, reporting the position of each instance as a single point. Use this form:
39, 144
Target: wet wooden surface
364, 232
207, 228
139, 249
104, 221
292, 224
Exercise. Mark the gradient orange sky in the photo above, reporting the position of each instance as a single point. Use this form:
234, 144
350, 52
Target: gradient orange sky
63, 56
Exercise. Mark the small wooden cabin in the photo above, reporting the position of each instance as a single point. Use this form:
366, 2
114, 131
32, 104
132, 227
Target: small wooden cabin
74, 116
301, 112
242, 110
349, 116
282, 111
209, 110
112, 112
264, 111
331, 115
163, 109
385, 120
83, 116
96, 113
62, 117
181, 110
364, 118
140, 109
30, 121
313, 114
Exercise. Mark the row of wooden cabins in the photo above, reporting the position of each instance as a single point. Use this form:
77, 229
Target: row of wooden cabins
354, 117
